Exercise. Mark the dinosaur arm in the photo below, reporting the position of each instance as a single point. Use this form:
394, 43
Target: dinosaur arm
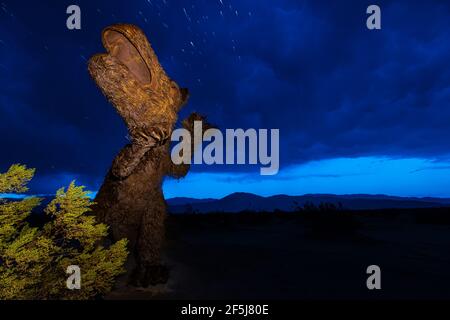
143, 139
180, 170
127, 160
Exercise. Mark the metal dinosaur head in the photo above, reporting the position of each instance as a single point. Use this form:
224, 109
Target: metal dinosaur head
132, 79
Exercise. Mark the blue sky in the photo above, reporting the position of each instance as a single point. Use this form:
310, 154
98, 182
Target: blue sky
368, 175
359, 111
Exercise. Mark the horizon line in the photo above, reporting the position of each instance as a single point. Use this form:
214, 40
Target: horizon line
93, 194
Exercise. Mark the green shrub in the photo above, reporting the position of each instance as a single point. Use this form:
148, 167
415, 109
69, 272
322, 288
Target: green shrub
33, 260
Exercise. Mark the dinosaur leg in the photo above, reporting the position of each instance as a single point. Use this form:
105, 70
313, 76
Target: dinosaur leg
150, 270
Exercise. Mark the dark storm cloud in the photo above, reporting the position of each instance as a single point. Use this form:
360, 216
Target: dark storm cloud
310, 68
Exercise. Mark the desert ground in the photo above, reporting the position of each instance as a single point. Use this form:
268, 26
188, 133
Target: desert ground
315, 255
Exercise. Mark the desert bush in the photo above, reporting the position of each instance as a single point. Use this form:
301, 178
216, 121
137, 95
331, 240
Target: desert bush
33, 260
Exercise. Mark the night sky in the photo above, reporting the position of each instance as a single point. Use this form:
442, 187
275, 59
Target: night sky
359, 111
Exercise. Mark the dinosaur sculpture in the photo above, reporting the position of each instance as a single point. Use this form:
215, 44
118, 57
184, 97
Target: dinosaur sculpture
131, 200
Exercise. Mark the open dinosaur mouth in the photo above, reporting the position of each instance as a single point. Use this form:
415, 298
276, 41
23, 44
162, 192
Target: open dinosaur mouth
123, 49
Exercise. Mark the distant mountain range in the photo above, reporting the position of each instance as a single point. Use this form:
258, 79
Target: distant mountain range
239, 201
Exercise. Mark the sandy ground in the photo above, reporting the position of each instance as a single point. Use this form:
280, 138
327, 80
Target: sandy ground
290, 259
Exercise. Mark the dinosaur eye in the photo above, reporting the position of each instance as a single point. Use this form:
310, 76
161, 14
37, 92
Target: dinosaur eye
184, 94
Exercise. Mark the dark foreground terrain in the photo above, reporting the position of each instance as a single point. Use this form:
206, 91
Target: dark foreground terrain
311, 254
